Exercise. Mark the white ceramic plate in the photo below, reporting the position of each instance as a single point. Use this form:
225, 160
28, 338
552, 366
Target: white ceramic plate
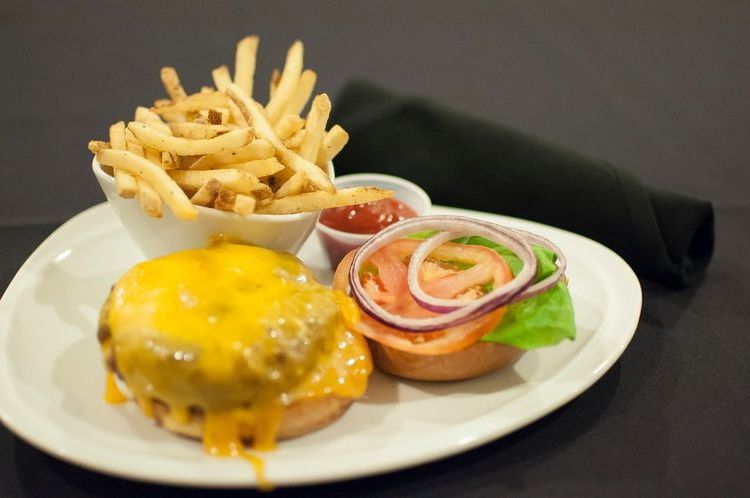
51, 373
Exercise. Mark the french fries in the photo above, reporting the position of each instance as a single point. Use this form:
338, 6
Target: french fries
315, 127
257, 149
244, 65
221, 77
288, 82
206, 195
254, 114
288, 126
302, 93
187, 147
142, 168
332, 144
172, 84
238, 181
315, 201
220, 148
125, 184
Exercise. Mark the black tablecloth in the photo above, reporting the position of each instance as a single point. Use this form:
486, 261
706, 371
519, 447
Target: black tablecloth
658, 89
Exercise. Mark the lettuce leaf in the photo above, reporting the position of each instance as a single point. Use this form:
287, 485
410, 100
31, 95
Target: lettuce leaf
541, 321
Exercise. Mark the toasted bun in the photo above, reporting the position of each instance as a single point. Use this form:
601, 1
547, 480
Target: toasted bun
478, 359
299, 418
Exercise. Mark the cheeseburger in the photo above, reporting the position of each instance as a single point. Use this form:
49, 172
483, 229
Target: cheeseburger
232, 344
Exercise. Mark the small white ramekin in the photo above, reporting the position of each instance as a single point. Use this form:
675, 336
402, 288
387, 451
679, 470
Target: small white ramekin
337, 243
159, 236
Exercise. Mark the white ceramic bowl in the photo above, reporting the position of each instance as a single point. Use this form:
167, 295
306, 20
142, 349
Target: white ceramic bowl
337, 243
159, 236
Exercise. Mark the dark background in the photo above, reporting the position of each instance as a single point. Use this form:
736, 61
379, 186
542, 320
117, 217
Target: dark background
658, 88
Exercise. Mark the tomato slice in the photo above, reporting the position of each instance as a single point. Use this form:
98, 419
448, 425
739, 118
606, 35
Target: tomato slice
451, 271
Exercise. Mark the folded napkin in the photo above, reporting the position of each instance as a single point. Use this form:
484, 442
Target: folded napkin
466, 162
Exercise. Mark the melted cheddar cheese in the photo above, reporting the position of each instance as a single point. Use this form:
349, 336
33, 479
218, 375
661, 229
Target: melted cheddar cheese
236, 332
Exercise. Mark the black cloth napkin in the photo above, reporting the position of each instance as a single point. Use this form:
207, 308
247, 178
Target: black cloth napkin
466, 162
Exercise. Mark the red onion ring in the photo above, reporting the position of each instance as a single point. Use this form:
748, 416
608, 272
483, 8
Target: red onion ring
453, 314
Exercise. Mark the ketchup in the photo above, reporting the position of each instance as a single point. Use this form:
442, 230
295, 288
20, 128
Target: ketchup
366, 218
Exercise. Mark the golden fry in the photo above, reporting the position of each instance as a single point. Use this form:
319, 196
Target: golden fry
149, 199
167, 161
244, 64
218, 115
315, 127
221, 77
302, 93
273, 83
332, 144
288, 82
206, 195
234, 179
294, 141
225, 200
150, 118
244, 204
97, 145
292, 186
257, 149
140, 167
259, 168
125, 184
187, 147
193, 103
288, 126
254, 114
315, 201
172, 84
197, 130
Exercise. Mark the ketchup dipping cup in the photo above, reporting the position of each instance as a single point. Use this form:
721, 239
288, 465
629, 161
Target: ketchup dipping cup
338, 243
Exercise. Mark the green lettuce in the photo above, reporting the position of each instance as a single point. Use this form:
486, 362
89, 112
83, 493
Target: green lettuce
540, 321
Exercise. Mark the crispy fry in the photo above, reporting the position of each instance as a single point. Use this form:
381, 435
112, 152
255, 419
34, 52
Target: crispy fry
294, 141
273, 83
124, 183
332, 144
150, 118
218, 115
234, 179
257, 149
206, 195
244, 204
254, 114
221, 77
97, 145
288, 126
207, 89
197, 130
193, 103
225, 200
244, 64
302, 93
167, 189
167, 161
186, 147
314, 201
259, 168
149, 199
292, 186
315, 127
172, 84
288, 82
153, 155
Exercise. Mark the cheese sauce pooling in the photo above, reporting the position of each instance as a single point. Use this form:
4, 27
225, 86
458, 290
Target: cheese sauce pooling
235, 333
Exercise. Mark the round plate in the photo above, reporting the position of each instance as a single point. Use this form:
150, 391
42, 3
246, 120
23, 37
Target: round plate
52, 378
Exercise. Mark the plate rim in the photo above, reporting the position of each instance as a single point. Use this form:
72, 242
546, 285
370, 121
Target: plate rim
107, 222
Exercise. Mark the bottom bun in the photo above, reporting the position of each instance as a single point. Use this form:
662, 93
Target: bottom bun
300, 418
478, 359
